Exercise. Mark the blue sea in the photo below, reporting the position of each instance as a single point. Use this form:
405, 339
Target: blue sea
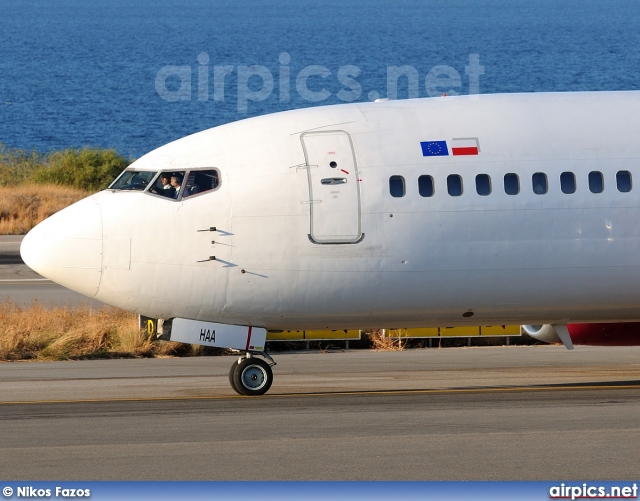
135, 74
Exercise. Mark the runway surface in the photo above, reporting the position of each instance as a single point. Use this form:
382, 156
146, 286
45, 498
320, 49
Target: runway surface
465, 413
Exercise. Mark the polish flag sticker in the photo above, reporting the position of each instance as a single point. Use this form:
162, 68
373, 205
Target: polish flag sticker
465, 146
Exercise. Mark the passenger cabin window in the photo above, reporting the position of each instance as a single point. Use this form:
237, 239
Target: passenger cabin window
539, 183
623, 181
568, 182
396, 186
131, 180
454, 185
425, 186
483, 185
596, 182
198, 181
511, 184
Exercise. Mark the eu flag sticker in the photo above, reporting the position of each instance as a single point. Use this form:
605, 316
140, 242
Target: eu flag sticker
434, 148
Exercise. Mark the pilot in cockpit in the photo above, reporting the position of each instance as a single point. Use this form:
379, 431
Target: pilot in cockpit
176, 182
165, 179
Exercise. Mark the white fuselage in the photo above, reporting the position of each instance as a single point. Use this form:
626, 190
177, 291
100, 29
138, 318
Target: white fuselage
300, 243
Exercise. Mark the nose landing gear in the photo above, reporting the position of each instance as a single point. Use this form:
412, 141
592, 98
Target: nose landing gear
251, 376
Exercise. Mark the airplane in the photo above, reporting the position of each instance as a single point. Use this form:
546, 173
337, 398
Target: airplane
453, 210
602, 334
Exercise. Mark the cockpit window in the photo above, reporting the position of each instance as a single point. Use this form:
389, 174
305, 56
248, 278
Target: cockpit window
133, 180
200, 181
168, 184
185, 184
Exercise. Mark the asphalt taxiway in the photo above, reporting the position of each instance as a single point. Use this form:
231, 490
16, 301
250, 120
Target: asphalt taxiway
537, 412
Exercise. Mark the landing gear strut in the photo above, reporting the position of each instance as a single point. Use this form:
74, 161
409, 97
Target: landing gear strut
250, 375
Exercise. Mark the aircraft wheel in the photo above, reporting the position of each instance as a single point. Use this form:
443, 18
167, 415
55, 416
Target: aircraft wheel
232, 371
252, 376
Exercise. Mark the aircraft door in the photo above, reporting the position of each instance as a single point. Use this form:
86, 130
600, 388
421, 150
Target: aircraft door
334, 189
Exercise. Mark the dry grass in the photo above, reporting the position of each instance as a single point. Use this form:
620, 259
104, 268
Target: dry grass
381, 342
37, 333
22, 207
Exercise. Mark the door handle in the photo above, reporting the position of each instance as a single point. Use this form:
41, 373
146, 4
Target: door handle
334, 180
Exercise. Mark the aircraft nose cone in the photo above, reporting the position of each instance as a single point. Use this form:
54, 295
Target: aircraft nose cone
67, 247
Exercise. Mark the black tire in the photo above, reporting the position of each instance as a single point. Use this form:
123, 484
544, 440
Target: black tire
251, 377
232, 371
